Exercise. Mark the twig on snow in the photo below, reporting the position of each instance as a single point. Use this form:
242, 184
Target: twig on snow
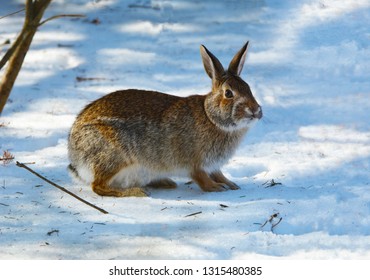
270, 184
19, 164
52, 232
83, 79
278, 222
7, 157
193, 214
271, 219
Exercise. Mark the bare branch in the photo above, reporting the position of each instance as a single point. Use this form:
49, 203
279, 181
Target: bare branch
59, 187
11, 14
60, 16
10, 52
29, 11
17, 53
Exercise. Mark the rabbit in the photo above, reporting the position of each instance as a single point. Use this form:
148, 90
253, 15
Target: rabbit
133, 139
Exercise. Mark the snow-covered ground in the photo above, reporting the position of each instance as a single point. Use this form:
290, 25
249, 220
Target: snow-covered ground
308, 65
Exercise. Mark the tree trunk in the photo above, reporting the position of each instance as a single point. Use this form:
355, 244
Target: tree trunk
34, 12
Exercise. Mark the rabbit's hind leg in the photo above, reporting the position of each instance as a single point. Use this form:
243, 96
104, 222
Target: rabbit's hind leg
102, 185
165, 183
105, 190
134, 191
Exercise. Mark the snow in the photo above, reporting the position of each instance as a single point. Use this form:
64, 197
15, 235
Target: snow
304, 169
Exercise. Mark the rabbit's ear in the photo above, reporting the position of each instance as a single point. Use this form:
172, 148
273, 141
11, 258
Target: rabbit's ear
236, 65
212, 65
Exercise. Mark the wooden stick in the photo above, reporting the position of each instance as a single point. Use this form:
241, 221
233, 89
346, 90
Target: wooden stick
193, 214
19, 164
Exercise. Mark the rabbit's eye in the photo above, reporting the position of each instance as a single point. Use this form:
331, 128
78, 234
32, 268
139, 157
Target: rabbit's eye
229, 94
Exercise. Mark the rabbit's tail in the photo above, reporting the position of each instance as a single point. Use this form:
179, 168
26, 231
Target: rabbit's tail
74, 173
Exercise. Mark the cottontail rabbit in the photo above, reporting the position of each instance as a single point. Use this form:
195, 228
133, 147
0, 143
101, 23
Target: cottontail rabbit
131, 139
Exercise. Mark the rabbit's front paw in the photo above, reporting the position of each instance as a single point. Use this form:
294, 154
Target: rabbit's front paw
216, 187
206, 183
233, 186
218, 177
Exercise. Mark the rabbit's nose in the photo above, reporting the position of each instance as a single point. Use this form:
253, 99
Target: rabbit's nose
258, 113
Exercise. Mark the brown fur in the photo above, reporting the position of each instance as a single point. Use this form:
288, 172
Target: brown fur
154, 134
